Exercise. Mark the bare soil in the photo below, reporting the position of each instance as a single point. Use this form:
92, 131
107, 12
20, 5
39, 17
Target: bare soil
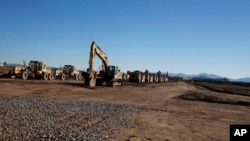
4, 71
170, 111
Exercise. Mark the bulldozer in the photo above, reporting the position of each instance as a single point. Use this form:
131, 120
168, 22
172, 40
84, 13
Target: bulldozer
109, 75
37, 69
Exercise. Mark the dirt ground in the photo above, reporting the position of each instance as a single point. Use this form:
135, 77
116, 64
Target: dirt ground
172, 111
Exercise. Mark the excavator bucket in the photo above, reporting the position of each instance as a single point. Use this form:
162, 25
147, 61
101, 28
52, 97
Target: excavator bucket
92, 79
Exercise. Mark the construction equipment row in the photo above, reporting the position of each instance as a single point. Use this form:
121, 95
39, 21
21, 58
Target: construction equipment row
147, 77
108, 75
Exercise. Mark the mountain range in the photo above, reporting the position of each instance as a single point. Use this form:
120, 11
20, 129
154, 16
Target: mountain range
206, 75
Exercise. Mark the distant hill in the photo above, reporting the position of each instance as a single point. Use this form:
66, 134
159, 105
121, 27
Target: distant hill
209, 76
4, 70
201, 75
246, 79
206, 75
13, 65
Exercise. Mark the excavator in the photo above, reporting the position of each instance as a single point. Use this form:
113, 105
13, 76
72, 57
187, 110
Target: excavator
109, 75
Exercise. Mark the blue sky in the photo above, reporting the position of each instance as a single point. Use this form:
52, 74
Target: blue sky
192, 37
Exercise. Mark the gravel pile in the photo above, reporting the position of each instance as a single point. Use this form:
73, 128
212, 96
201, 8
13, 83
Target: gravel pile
30, 118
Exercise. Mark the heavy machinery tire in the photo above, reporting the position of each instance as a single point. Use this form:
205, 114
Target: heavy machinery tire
63, 76
51, 76
54, 77
79, 77
24, 75
45, 76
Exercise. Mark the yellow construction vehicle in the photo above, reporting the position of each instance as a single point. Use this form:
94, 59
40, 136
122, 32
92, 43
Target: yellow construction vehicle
162, 77
68, 71
17, 71
136, 76
109, 75
155, 78
38, 69
148, 77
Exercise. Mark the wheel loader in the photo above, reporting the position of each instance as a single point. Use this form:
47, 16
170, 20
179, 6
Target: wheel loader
109, 75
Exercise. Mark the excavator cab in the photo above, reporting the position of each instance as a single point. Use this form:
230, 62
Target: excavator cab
37, 65
115, 77
68, 69
112, 70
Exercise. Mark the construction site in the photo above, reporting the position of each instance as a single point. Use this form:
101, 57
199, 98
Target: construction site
41, 103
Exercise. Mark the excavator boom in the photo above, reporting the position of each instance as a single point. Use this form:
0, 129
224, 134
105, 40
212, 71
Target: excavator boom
95, 50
